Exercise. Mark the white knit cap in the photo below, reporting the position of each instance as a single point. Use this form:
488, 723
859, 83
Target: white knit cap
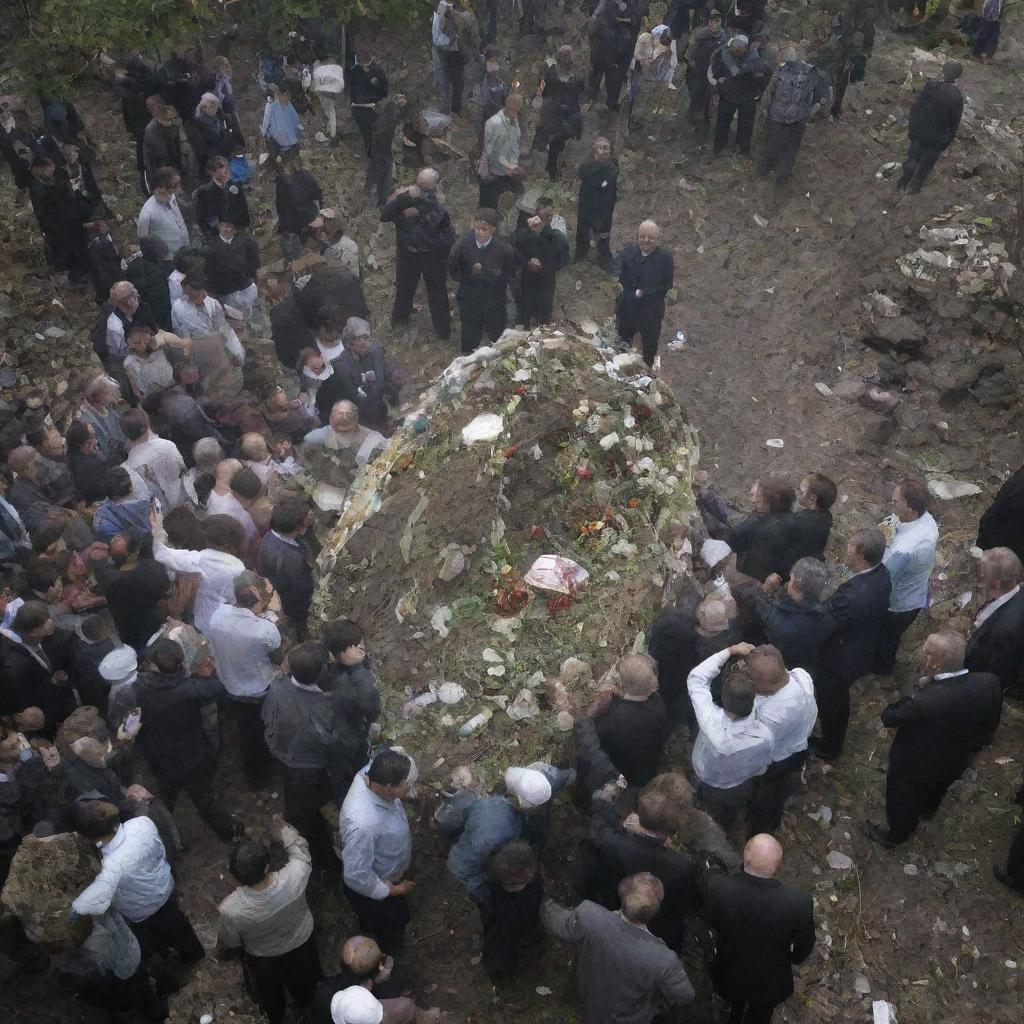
120, 665
356, 1005
529, 785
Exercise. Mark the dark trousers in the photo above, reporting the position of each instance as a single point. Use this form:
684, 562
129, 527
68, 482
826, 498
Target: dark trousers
614, 75
699, 90
364, 118
491, 189
779, 148
167, 931
200, 787
894, 626
633, 319
744, 113
252, 745
724, 805
771, 791
379, 165
507, 924
907, 801
536, 298
745, 1013
585, 227
384, 920
409, 268
305, 791
476, 317
455, 68
833, 696
919, 163
268, 978
1015, 859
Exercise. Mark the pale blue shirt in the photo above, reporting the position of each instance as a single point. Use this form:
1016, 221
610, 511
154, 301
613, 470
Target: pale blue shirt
910, 559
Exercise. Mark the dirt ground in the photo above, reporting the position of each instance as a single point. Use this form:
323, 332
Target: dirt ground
769, 312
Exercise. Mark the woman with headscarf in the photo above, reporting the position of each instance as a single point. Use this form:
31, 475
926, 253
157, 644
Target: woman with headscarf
212, 132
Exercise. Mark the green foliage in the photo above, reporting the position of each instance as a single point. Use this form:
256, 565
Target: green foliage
55, 41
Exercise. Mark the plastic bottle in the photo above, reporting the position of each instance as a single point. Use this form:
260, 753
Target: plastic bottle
476, 723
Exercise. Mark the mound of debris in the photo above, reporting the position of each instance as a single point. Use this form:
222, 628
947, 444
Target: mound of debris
532, 504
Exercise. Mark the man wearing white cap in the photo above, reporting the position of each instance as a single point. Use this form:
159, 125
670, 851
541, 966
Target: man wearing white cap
120, 669
490, 823
356, 1005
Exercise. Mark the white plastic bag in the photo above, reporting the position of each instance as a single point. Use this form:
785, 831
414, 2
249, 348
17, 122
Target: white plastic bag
557, 573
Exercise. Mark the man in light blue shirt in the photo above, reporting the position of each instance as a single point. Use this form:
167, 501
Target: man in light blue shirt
444, 49
910, 558
281, 126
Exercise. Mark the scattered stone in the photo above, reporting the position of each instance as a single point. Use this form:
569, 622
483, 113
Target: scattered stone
910, 869
823, 389
861, 985
895, 334
839, 861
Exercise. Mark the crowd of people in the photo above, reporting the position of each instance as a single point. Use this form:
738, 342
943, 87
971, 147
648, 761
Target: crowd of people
158, 551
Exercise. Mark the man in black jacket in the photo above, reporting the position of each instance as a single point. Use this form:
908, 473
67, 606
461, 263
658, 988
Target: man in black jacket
172, 734
614, 851
1002, 525
284, 558
599, 180
741, 75
60, 217
298, 202
763, 927
808, 529
997, 642
232, 261
646, 273
703, 43
560, 116
542, 252
953, 714
483, 264
220, 197
423, 239
615, 25
147, 271
367, 86
380, 160
934, 120
858, 609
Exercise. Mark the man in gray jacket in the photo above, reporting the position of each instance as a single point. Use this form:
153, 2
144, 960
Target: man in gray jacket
624, 975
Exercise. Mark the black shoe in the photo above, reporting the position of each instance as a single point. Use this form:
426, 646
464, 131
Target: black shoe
816, 749
877, 834
1002, 875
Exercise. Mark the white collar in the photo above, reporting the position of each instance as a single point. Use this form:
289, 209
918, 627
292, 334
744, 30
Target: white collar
994, 606
950, 675
286, 540
310, 688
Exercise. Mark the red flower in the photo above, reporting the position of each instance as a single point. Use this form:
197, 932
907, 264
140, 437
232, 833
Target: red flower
584, 472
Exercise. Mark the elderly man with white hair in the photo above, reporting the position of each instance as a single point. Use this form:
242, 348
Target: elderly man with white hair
126, 310
524, 810
344, 433
646, 273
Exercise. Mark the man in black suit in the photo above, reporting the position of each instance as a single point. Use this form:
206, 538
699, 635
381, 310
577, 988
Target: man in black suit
808, 529
1002, 525
612, 852
858, 608
764, 928
997, 643
1012, 875
953, 714
645, 272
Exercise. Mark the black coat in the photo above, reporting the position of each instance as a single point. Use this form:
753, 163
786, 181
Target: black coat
88, 472
221, 138
331, 286
939, 726
633, 734
298, 196
172, 734
1002, 525
231, 267
671, 642
745, 87
150, 279
652, 274
807, 533
367, 84
488, 288
132, 598
997, 645
935, 115
289, 569
798, 630
289, 330
430, 232
611, 853
161, 147
356, 702
858, 608
214, 201
760, 543
26, 680
599, 190
104, 266
547, 245
763, 927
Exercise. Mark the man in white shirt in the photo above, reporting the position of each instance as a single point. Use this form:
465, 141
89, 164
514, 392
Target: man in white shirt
246, 646
216, 350
223, 501
161, 217
376, 848
910, 558
155, 459
732, 747
135, 879
785, 703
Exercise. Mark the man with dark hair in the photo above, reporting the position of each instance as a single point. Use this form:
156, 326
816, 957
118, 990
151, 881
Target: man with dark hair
135, 586
154, 458
858, 609
220, 197
284, 558
367, 86
246, 647
135, 880
483, 264
760, 539
763, 928
624, 972
232, 262
161, 141
119, 512
699, 51
646, 274
732, 747
298, 199
934, 120
298, 721
560, 117
59, 215
612, 850
997, 642
950, 716
542, 251
423, 239
513, 909
268, 919
353, 692
376, 847
599, 184
161, 216
1002, 525
172, 735
380, 160
808, 529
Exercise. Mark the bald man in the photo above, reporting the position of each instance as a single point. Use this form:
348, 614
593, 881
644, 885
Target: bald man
997, 641
954, 713
646, 273
763, 927
423, 239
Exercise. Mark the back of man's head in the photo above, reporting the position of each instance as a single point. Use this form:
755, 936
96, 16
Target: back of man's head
1002, 566
946, 650
870, 544
249, 861
307, 661
224, 533
167, 655
738, 695
361, 955
134, 424
640, 897
513, 866
810, 577
95, 819
389, 768
766, 667
657, 812
762, 856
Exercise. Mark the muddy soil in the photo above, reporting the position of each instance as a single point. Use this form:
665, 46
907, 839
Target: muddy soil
769, 311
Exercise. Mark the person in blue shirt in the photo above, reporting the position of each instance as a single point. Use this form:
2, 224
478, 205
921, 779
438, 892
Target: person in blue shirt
281, 127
